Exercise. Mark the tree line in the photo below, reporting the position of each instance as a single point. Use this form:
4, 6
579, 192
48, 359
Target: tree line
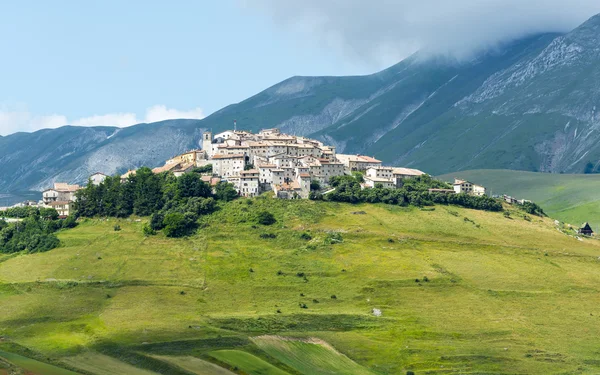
415, 191
174, 204
34, 230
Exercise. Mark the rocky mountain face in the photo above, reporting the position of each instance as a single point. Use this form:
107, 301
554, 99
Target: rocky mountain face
532, 105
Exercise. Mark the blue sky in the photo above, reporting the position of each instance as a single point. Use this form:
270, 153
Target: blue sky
123, 62
91, 62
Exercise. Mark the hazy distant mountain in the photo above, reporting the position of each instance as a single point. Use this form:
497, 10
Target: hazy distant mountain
529, 105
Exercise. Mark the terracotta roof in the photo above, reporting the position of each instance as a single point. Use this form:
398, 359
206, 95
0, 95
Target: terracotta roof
58, 203
304, 175
250, 171
232, 156
211, 180
165, 168
358, 158
63, 186
129, 173
407, 171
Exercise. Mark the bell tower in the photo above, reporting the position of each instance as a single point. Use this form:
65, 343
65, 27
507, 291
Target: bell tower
207, 143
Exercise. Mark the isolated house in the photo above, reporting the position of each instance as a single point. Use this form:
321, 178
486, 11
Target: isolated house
586, 230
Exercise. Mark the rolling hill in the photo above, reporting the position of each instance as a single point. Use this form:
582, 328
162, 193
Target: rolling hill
573, 198
460, 291
528, 105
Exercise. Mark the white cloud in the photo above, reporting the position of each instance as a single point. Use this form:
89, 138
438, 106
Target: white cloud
384, 31
19, 119
161, 112
111, 119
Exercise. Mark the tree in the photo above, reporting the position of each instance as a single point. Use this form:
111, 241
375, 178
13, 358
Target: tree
191, 185
359, 177
178, 225
315, 185
225, 192
265, 218
205, 169
148, 192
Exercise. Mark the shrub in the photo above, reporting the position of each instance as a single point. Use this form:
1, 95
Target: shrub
177, 224
268, 235
303, 306
69, 222
301, 274
147, 230
507, 214
156, 221
333, 296
333, 238
117, 228
306, 236
265, 218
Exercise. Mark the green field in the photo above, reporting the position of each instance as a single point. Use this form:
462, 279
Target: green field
572, 198
461, 291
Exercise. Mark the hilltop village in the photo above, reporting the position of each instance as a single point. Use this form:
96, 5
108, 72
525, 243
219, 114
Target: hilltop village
289, 166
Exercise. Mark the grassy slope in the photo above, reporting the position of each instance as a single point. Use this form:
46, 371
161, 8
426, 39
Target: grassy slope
495, 302
573, 198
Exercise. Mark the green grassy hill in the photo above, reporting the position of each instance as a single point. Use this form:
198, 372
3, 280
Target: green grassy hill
573, 198
460, 291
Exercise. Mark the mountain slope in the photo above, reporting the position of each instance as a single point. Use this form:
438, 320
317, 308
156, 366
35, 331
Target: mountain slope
572, 198
494, 295
529, 105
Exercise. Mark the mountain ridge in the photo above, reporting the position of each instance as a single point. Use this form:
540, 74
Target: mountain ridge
528, 105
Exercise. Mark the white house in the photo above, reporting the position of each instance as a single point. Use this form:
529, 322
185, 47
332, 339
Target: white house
466, 187
97, 178
249, 185
61, 192
358, 162
228, 165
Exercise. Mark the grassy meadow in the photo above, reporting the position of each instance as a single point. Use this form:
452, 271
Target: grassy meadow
460, 291
572, 198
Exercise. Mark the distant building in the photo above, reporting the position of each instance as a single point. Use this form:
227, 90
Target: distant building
61, 192
466, 187
249, 183
358, 162
62, 207
585, 230
97, 178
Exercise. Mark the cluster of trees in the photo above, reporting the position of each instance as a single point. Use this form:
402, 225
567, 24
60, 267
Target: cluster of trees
33, 232
413, 192
174, 203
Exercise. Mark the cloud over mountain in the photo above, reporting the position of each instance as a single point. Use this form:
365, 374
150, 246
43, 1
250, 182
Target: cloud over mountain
384, 31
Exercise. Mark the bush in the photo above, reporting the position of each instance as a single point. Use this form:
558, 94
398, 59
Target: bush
305, 236
177, 224
69, 222
268, 235
333, 238
156, 221
147, 230
117, 228
265, 218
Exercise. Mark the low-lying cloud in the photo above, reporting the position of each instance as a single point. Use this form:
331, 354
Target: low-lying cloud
385, 31
19, 119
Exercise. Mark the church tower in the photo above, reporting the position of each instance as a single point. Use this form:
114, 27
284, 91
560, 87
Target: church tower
207, 143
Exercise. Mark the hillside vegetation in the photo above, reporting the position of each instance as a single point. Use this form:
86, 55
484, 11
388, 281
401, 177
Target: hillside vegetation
573, 198
459, 290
